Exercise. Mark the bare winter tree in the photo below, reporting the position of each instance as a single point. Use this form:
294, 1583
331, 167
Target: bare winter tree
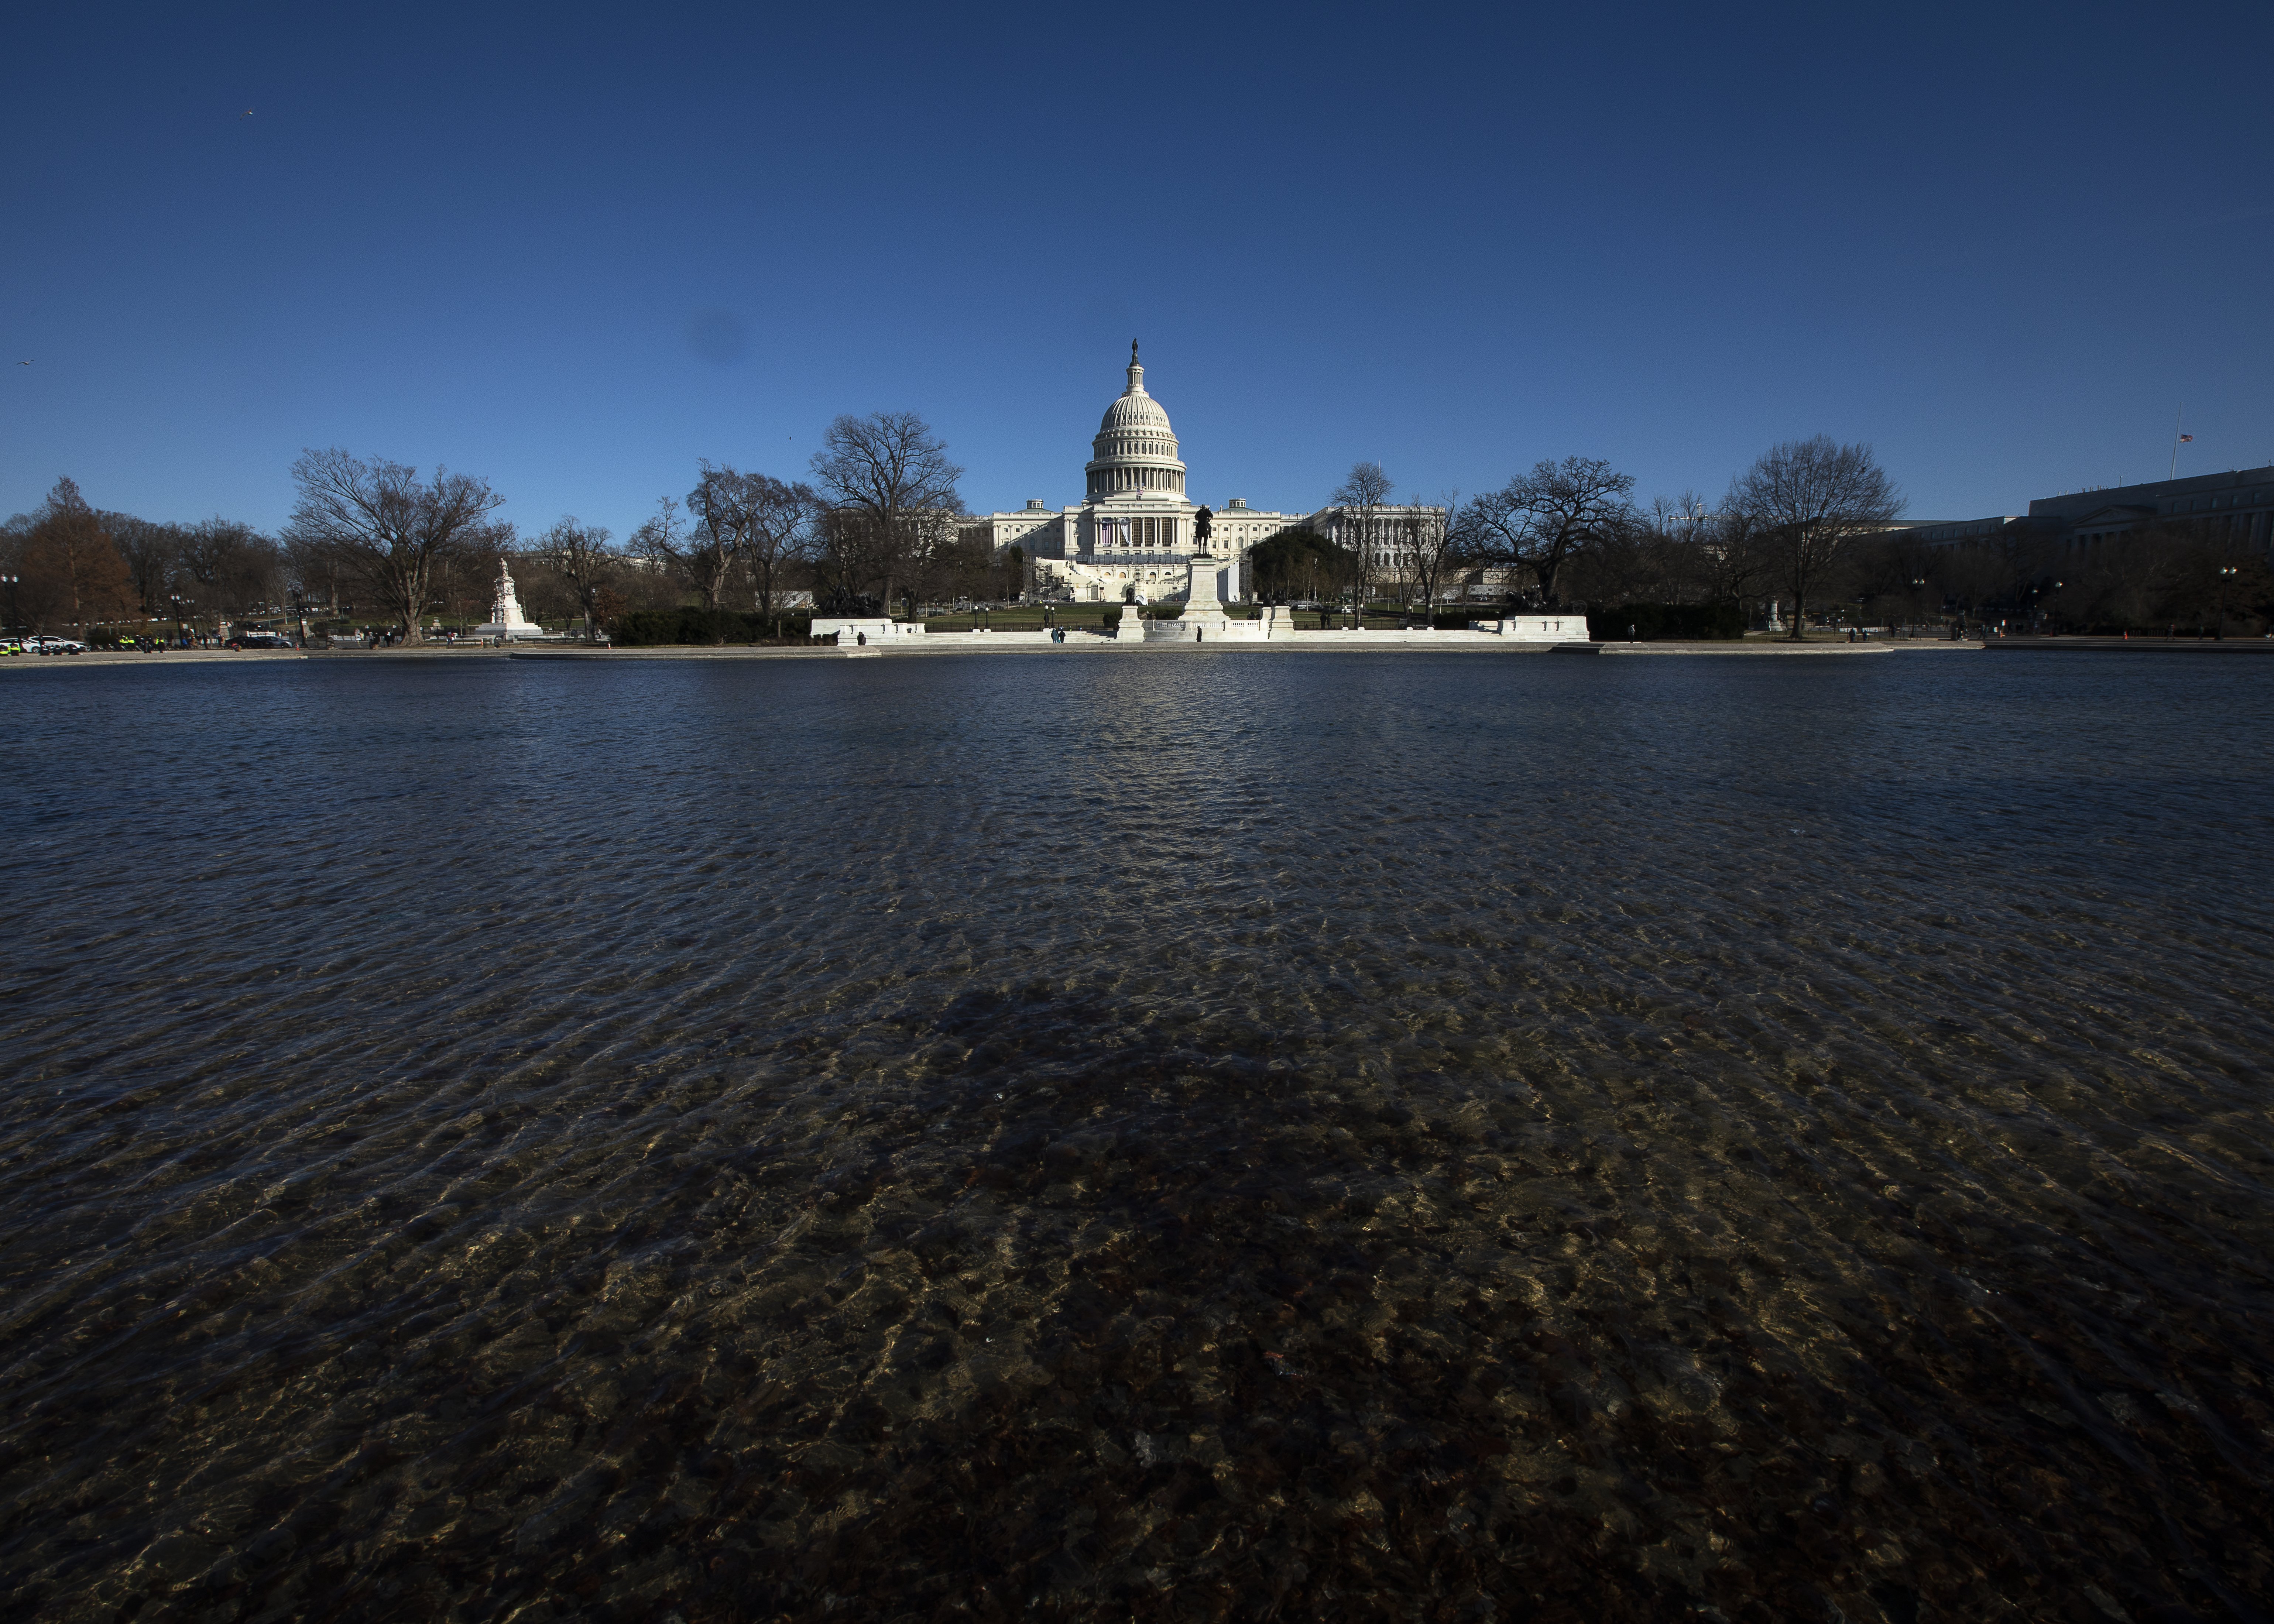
1735, 561
1358, 503
1539, 520
1432, 537
1729, 557
715, 538
773, 525
1674, 531
14, 530
891, 475
848, 563
657, 538
388, 532
1656, 556
152, 552
1813, 498
746, 527
666, 547
237, 570
782, 534
581, 552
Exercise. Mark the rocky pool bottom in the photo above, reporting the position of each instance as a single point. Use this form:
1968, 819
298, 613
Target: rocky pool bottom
1350, 1140
1172, 1337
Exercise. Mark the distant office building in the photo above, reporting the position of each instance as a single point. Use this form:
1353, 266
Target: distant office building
1393, 535
1957, 532
2239, 504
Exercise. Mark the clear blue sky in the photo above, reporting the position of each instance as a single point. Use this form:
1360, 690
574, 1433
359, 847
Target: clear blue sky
573, 250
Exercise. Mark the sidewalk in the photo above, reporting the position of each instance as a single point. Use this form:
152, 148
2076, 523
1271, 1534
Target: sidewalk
171, 657
2132, 645
1727, 647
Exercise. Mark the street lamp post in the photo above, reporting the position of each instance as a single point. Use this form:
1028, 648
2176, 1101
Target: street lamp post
185, 609
2225, 572
14, 623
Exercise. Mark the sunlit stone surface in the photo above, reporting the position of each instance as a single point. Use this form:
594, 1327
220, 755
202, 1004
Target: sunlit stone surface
507, 620
1427, 1137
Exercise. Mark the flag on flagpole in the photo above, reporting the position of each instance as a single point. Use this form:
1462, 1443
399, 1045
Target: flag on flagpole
2186, 439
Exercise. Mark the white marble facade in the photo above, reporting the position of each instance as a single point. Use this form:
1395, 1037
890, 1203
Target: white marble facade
1131, 537
1131, 534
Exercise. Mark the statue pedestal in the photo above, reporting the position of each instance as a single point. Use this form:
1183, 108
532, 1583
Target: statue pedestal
1203, 618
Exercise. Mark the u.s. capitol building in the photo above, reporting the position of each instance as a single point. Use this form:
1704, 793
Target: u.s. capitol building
1134, 532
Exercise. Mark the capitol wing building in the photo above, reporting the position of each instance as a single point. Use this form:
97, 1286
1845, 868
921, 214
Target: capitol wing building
1134, 536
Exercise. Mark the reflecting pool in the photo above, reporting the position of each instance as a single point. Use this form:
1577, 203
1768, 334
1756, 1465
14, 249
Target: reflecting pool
1218, 1135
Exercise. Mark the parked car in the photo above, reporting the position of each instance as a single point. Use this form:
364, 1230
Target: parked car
259, 640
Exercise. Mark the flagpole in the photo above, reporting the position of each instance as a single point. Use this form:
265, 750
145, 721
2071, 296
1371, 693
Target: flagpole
2175, 438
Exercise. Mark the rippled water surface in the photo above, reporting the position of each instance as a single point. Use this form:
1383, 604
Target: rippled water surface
1242, 1135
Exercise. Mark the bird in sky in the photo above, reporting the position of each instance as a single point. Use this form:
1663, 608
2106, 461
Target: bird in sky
246, 114
23, 363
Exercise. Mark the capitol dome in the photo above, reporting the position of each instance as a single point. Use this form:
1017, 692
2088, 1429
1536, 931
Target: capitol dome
1135, 412
1135, 451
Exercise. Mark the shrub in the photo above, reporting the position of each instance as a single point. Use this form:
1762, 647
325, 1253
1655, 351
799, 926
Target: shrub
643, 629
1652, 621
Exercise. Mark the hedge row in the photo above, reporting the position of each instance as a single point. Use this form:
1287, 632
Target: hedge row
645, 629
1652, 621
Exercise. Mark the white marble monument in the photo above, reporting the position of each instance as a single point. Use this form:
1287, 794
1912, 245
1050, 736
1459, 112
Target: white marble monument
507, 621
1203, 618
